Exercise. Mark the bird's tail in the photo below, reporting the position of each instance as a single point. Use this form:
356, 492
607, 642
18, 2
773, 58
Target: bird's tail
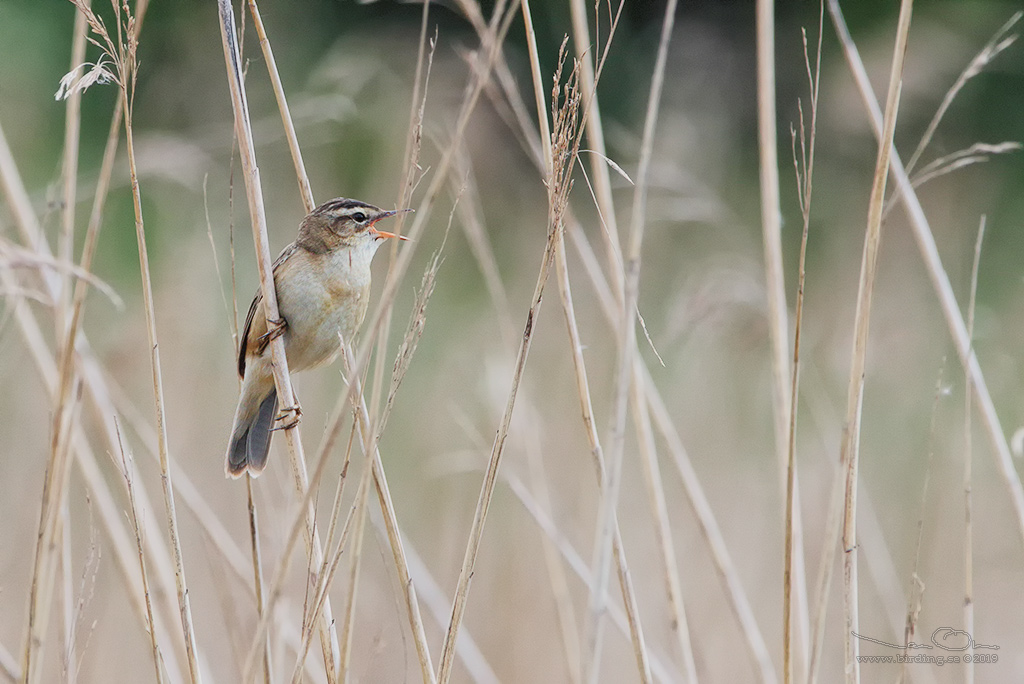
250, 437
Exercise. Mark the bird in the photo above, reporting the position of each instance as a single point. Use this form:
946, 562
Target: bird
322, 282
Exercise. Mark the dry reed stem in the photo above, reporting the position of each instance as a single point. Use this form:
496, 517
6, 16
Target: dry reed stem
122, 55
407, 183
968, 459
559, 581
348, 628
850, 449
372, 453
662, 528
484, 255
127, 465
659, 669
482, 251
282, 379
738, 601
939, 279
565, 150
804, 168
28, 225
58, 469
490, 478
257, 570
626, 330
158, 393
305, 191
771, 225
414, 137
595, 140
65, 326
497, 31
556, 574
587, 413
69, 168
325, 574
915, 591
999, 42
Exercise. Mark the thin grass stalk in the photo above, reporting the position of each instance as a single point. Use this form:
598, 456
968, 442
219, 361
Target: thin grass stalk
257, 570
69, 169
53, 517
660, 670
635, 633
804, 168
28, 225
563, 603
325, 573
158, 392
916, 589
282, 379
66, 325
396, 274
738, 601
999, 42
791, 507
490, 477
939, 279
850, 449
407, 182
372, 453
128, 464
69, 671
968, 464
305, 190
350, 600
412, 151
557, 578
481, 250
110, 512
627, 348
498, 33
565, 151
771, 223
659, 511
583, 43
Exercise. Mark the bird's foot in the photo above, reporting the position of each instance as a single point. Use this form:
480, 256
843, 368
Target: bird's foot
275, 328
288, 417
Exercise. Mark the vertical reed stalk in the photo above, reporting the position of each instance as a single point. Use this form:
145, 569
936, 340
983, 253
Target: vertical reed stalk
850, 451
282, 378
968, 464
626, 330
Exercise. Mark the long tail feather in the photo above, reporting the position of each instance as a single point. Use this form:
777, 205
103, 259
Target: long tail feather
250, 439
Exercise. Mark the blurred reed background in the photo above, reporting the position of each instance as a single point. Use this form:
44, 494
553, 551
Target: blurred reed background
349, 71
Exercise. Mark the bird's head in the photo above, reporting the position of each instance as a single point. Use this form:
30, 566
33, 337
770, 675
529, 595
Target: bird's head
341, 223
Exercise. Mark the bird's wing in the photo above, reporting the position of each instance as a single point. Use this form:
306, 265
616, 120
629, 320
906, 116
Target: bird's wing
255, 330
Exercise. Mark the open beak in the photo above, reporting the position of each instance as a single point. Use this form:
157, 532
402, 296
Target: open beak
382, 233
385, 234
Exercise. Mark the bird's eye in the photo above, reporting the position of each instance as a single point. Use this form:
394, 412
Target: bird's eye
359, 217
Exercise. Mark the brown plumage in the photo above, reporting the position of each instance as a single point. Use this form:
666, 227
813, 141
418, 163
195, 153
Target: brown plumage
323, 288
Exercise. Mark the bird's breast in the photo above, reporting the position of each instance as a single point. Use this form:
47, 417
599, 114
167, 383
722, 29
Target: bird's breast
323, 304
